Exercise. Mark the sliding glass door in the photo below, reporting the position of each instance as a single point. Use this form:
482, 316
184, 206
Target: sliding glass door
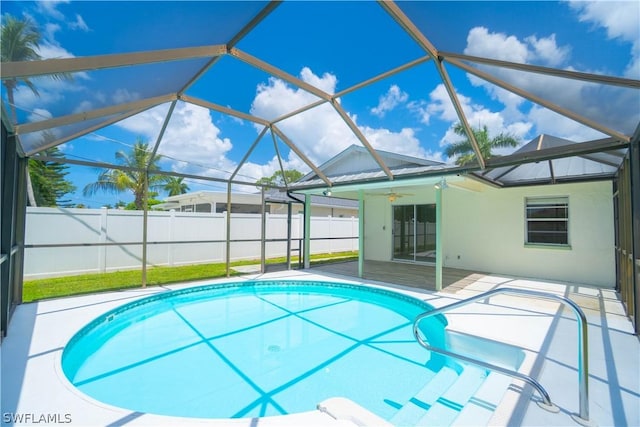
414, 233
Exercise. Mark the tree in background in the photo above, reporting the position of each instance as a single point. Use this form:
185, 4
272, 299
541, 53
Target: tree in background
151, 202
176, 186
20, 41
464, 150
134, 179
278, 180
48, 180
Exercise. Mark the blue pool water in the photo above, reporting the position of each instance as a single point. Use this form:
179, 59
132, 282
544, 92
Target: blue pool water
256, 349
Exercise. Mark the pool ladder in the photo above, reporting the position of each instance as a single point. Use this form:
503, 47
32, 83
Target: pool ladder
583, 356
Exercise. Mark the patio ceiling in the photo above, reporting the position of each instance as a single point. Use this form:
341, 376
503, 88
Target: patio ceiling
165, 73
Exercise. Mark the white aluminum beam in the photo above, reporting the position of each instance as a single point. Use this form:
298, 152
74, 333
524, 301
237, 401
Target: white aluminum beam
299, 110
247, 154
573, 75
302, 156
382, 76
355, 87
161, 134
270, 69
354, 128
87, 63
88, 130
270, 7
275, 146
92, 114
409, 27
403, 20
103, 165
239, 36
533, 98
225, 110
460, 112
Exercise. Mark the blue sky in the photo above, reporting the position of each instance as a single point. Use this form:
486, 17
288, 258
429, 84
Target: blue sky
331, 45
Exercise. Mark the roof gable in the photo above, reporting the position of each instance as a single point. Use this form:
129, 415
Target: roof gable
356, 159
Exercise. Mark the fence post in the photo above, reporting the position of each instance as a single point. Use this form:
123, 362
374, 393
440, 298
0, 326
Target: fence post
354, 232
102, 250
172, 233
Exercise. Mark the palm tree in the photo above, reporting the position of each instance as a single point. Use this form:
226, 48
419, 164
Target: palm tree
134, 179
175, 186
464, 150
20, 40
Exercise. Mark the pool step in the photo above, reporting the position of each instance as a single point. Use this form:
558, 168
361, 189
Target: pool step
441, 401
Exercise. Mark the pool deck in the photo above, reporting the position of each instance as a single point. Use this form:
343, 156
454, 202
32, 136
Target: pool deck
34, 386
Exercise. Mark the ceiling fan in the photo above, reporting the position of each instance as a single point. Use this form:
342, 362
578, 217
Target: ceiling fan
391, 195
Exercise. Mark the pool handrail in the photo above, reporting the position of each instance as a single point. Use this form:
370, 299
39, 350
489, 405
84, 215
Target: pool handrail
583, 353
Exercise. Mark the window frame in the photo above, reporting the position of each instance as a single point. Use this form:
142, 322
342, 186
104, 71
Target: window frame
530, 202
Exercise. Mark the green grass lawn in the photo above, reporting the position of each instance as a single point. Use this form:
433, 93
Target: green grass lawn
34, 290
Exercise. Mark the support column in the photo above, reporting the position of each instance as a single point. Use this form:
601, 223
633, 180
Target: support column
263, 234
439, 236
102, 238
289, 236
634, 161
360, 233
307, 230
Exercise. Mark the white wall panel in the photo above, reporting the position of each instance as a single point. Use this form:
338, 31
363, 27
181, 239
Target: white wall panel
92, 226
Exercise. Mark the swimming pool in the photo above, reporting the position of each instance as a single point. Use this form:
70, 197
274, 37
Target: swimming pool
255, 349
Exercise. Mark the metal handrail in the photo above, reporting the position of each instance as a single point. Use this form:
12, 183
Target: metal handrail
583, 351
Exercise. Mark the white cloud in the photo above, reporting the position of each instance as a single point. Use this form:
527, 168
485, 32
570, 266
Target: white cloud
420, 109
546, 50
53, 51
441, 106
477, 116
121, 96
600, 103
78, 24
551, 123
620, 19
191, 136
480, 42
389, 101
276, 98
39, 114
326, 83
542, 51
321, 133
50, 8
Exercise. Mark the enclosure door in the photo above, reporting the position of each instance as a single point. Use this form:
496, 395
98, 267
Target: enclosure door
414, 233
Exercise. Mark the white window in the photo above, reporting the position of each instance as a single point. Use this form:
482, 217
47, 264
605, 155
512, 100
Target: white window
547, 221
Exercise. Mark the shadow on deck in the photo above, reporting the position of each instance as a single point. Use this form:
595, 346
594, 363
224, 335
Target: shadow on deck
400, 273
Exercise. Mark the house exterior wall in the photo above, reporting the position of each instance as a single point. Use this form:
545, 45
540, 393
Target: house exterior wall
485, 231
378, 221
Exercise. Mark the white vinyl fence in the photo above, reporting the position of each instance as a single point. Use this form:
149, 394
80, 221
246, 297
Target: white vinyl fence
63, 242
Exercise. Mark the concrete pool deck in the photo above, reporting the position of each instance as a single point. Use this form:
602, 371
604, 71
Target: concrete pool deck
33, 385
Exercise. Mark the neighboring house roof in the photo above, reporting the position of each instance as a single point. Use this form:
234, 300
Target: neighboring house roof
587, 166
250, 198
316, 200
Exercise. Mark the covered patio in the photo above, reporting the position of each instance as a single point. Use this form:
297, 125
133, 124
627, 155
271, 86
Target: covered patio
420, 276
